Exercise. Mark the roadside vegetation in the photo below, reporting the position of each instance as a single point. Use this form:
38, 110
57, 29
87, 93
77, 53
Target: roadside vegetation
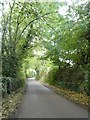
46, 40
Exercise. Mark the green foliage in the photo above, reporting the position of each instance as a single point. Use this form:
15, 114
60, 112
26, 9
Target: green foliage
10, 85
71, 78
29, 27
69, 41
84, 87
51, 77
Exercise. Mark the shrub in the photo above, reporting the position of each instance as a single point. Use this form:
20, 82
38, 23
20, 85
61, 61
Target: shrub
84, 88
72, 78
10, 85
51, 77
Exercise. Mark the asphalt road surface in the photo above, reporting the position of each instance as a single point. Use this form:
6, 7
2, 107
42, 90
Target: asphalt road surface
40, 102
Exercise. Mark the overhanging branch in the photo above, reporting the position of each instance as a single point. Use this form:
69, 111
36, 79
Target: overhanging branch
33, 21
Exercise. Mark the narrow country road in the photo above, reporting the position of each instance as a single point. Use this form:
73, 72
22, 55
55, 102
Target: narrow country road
40, 102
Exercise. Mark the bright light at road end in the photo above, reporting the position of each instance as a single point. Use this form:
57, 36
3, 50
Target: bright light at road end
32, 70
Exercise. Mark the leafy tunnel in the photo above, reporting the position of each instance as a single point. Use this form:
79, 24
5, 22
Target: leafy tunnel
46, 40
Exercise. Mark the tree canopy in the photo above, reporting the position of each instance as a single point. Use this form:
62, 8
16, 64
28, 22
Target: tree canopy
50, 33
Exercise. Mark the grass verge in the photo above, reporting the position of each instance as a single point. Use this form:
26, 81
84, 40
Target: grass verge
78, 98
10, 103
